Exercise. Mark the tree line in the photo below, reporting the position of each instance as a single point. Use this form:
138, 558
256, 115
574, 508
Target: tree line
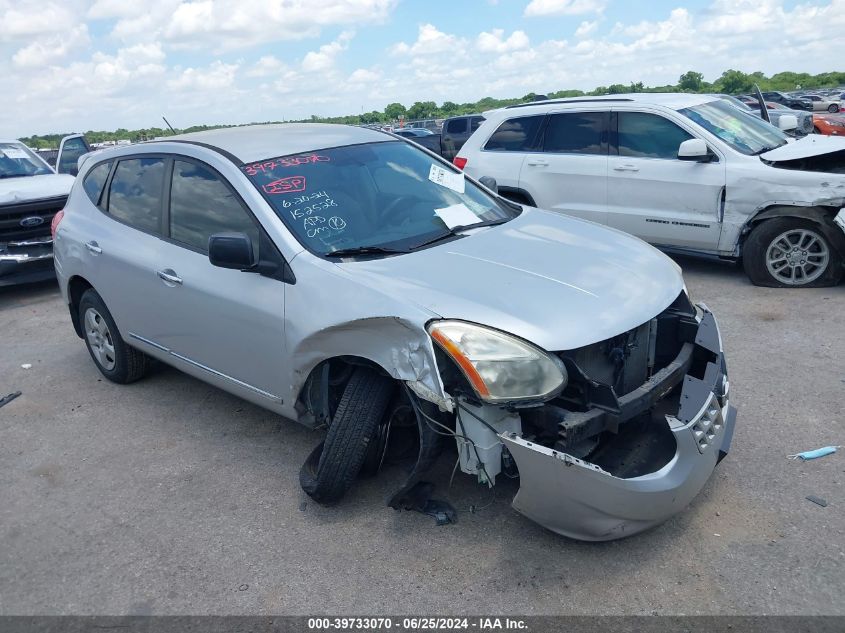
730, 82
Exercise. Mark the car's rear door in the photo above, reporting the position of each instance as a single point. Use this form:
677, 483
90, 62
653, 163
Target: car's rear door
654, 195
568, 172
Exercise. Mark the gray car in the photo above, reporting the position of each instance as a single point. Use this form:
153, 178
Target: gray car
353, 281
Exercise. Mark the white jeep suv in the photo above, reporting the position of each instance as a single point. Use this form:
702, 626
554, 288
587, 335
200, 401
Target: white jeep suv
687, 173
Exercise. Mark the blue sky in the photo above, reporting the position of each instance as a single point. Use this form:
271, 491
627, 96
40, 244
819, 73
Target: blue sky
103, 64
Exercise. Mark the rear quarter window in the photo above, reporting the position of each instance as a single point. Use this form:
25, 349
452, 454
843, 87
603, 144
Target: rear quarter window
94, 181
515, 135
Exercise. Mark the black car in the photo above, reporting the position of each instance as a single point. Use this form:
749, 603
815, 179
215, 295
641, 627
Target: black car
789, 102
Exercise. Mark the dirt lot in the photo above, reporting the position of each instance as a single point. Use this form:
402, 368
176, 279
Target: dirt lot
169, 496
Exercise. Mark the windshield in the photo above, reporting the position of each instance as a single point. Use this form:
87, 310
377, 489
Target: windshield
386, 194
742, 131
16, 159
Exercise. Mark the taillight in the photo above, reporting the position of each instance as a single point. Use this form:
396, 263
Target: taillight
459, 162
54, 225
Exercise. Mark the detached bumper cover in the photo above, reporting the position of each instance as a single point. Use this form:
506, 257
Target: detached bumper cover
580, 500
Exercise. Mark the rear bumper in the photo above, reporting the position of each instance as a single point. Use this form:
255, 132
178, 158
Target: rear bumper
581, 500
26, 261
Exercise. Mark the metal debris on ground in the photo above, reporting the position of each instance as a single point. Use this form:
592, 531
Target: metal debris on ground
819, 452
7, 399
817, 500
418, 498
26, 366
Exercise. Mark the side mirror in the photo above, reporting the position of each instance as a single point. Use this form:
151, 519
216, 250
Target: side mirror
490, 183
231, 250
694, 150
788, 122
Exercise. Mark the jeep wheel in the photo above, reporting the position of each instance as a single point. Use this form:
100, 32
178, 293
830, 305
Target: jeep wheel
113, 357
790, 252
332, 467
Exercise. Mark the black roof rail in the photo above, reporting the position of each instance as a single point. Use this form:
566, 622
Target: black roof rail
570, 100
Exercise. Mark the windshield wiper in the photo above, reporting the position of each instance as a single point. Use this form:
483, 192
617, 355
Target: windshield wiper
768, 148
365, 250
457, 229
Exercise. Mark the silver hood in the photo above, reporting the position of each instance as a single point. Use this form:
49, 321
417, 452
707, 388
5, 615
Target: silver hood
556, 281
810, 145
27, 188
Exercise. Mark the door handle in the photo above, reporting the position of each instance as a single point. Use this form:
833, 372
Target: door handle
93, 247
168, 275
537, 162
626, 168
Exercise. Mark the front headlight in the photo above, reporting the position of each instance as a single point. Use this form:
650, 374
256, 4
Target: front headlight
500, 367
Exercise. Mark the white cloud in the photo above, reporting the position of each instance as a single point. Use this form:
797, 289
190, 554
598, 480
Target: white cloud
29, 19
430, 41
215, 77
324, 59
564, 7
51, 48
364, 76
585, 29
493, 42
232, 24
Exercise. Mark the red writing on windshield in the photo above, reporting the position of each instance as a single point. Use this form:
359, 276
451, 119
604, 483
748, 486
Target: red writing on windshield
291, 184
290, 161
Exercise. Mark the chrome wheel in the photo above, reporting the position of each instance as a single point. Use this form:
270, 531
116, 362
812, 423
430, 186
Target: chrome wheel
797, 257
99, 339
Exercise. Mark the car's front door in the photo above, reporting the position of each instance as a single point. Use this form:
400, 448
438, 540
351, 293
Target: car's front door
569, 173
656, 196
71, 148
225, 325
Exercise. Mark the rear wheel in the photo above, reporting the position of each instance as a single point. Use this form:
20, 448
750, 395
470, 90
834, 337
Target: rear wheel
833, 108
332, 467
790, 252
113, 357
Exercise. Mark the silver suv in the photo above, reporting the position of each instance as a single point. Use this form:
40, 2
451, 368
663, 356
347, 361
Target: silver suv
348, 279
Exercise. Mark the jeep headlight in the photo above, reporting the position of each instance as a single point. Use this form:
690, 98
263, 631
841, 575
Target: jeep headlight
500, 367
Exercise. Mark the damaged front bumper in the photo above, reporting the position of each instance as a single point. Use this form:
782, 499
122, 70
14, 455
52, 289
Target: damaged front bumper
26, 260
582, 500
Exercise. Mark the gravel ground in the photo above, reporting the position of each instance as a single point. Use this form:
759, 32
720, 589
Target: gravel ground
171, 497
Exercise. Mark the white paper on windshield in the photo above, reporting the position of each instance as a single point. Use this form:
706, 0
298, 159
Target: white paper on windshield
457, 215
13, 152
447, 178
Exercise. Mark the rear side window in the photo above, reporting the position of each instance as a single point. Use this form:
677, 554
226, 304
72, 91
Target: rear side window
136, 191
575, 133
475, 122
94, 181
202, 205
649, 136
515, 135
456, 126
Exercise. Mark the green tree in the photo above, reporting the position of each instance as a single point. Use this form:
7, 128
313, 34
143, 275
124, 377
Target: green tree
422, 110
393, 111
449, 107
691, 81
734, 82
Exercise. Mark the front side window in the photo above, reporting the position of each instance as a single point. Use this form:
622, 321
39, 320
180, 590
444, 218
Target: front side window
94, 181
389, 194
16, 159
515, 135
744, 133
575, 133
202, 205
136, 191
642, 135
475, 122
456, 126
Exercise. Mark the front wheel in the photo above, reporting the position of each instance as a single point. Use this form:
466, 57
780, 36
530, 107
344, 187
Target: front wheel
789, 253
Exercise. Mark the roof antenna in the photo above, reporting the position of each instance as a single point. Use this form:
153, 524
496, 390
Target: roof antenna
168, 124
